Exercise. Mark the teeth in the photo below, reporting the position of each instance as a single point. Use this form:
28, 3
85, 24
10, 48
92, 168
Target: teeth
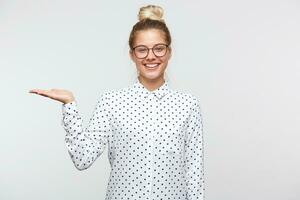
151, 65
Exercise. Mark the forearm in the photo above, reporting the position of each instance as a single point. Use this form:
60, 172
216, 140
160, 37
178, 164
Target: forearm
83, 146
194, 156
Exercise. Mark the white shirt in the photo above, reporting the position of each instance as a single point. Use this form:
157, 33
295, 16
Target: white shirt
154, 139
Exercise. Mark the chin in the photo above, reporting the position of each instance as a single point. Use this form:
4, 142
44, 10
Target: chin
151, 76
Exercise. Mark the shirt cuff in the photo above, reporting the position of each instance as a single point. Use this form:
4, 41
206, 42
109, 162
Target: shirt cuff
70, 108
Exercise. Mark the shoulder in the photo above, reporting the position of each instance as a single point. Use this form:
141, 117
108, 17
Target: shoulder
188, 97
113, 94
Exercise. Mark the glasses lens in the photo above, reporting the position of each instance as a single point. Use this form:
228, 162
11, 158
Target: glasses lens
141, 51
160, 50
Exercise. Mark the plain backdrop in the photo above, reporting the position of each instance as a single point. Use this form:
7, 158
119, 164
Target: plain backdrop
241, 58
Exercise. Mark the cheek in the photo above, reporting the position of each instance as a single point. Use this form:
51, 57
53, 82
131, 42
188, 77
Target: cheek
139, 64
165, 61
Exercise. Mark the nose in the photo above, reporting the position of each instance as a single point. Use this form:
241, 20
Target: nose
150, 55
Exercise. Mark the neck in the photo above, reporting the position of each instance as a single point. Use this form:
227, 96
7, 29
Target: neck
151, 84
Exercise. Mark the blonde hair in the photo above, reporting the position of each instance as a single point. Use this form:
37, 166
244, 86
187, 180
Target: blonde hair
150, 17
152, 12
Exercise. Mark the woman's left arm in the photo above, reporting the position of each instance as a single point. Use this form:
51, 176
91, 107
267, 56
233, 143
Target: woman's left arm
194, 155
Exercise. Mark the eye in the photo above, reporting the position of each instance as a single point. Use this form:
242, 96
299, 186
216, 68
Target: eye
159, 48
141, 49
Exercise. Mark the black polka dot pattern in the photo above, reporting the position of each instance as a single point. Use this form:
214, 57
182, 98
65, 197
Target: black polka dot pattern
154, 140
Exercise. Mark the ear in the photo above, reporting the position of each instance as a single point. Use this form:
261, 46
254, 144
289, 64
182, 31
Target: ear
131, 55
170, 52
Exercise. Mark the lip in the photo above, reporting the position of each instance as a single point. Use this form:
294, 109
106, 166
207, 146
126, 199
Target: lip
151, 67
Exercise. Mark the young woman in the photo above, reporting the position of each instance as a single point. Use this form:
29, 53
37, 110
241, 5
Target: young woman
154, 134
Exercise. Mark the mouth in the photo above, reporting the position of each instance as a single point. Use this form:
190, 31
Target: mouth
152, 65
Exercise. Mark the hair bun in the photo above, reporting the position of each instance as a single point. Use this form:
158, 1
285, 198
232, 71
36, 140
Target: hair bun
152, 12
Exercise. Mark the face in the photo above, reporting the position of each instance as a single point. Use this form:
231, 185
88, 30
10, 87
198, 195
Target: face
145, 66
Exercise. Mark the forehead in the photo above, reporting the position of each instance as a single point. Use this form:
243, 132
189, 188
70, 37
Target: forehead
149, 37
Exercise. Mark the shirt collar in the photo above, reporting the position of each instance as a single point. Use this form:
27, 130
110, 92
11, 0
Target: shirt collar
160, 92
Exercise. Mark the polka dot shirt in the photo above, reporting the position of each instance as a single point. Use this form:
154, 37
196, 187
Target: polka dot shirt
154, 140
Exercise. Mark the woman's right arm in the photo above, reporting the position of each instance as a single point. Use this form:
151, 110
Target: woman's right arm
85, 145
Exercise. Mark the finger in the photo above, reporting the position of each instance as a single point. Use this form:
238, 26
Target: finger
41, 92
36, 90
33, 91
43, 95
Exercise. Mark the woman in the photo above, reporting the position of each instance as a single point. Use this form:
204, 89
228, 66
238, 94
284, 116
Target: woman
154, 134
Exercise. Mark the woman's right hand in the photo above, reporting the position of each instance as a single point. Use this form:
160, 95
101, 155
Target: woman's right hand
60, 95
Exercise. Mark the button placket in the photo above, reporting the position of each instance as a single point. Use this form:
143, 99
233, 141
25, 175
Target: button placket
152, 122
155, 118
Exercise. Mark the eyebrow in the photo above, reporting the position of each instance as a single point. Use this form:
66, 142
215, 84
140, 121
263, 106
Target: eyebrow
149, 47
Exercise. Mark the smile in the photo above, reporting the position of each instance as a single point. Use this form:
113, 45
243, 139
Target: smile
152, 66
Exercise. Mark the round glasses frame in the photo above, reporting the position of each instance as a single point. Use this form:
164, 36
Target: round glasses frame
160, 44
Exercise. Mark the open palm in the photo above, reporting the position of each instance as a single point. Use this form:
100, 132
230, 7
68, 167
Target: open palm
60, 95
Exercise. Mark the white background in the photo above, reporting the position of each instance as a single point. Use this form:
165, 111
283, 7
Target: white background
241, 58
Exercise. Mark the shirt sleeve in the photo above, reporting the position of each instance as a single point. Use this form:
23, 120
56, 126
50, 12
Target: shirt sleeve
85, 145
194, 155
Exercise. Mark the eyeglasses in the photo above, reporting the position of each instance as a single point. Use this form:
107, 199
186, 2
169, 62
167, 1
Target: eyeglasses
142, 51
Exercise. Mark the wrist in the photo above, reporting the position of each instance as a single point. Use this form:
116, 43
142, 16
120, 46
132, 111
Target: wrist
69, 101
